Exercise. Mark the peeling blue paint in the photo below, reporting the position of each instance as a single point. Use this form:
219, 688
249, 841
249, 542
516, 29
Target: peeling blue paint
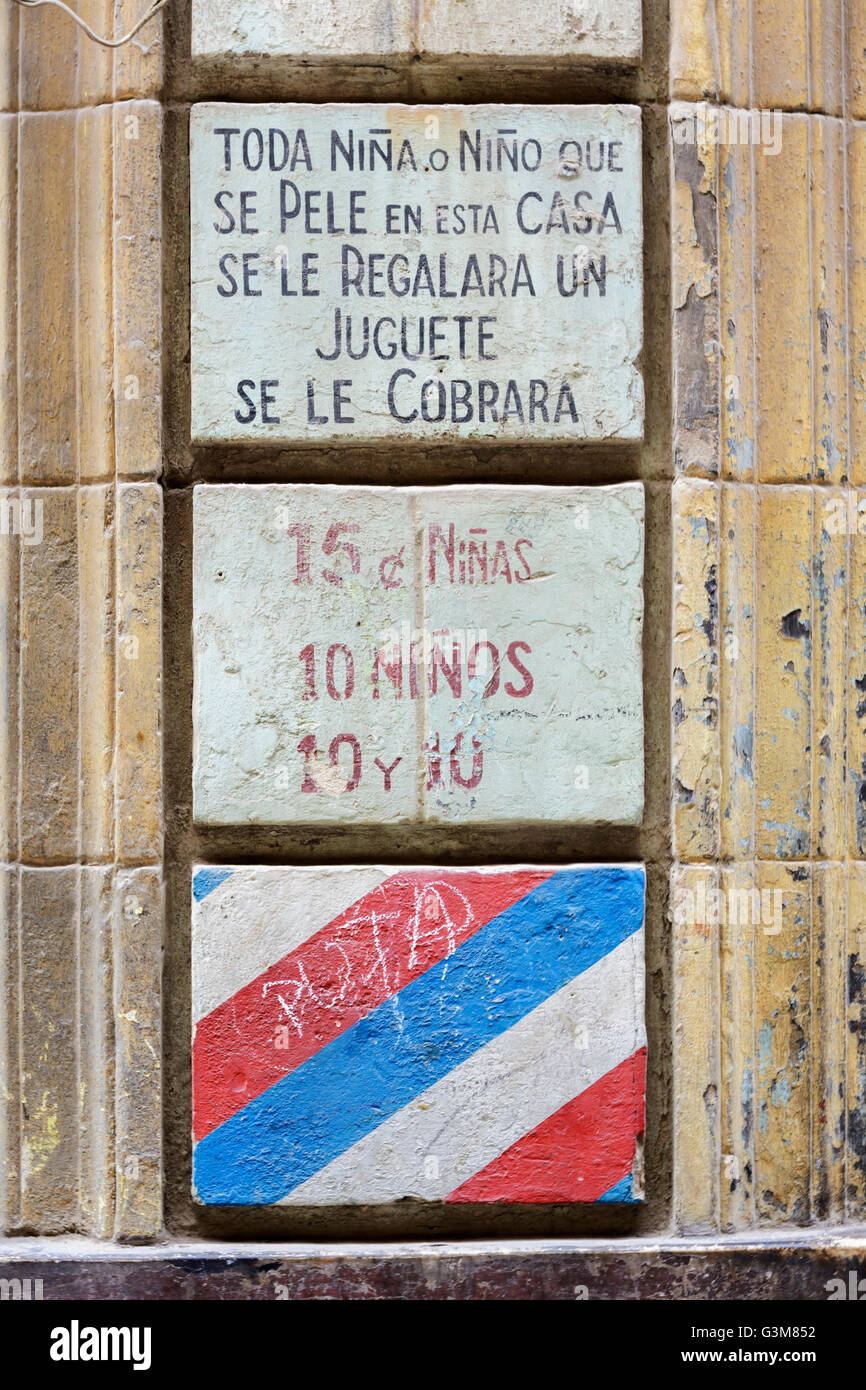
206, 880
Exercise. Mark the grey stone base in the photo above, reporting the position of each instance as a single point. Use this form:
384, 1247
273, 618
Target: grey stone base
790, 1265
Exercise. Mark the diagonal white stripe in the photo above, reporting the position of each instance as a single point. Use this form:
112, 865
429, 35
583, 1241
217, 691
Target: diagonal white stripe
252, 920
469, 1117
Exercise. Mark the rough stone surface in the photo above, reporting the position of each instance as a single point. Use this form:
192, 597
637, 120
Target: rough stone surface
773, 55
81, 604
138, 691
768, 714
393, 31
487, 285
344, 32
368, 654
549, 30
461, 1035
796, 1265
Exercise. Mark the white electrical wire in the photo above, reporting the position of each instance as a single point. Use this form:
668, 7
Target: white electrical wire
106, 43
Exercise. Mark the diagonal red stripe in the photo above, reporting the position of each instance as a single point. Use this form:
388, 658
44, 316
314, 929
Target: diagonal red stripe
578, 1153
364, 956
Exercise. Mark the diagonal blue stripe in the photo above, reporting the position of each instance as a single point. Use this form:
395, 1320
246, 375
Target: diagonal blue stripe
348, 1088
206, 880
620, 1192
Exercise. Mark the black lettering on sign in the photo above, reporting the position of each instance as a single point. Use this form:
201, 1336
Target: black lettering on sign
405, 229
258, 397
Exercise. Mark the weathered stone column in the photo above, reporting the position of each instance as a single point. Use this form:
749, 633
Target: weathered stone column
768, 645
80, 576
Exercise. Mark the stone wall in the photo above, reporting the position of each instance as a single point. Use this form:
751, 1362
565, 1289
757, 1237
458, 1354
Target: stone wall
81, 459
769, 614
754, 634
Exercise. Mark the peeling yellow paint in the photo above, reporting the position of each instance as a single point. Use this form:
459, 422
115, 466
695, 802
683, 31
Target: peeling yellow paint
691, 264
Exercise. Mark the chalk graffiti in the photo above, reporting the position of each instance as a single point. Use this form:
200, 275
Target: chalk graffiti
440, 917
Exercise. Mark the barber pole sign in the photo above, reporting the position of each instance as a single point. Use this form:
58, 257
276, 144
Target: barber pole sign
367, 1034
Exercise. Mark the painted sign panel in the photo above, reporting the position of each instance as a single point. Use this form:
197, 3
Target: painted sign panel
368, 1034
369, 655
338, 30
388, 30
460, 30
396, 272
